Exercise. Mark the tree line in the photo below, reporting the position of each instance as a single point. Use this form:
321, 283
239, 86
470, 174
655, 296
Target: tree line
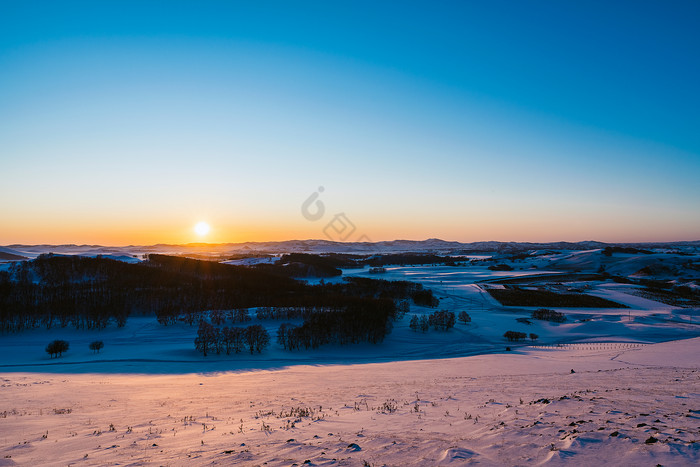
442, 320
91, 293
210, 339
363, 320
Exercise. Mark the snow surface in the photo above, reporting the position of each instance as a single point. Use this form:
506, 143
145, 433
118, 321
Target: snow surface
435, 398
143, 345
516, 409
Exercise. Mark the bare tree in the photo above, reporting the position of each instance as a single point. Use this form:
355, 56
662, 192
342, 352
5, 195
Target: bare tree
464, 317
257, 338
206, 339
57, 347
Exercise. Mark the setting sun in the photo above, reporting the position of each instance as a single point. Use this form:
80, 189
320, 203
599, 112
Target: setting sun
202, 228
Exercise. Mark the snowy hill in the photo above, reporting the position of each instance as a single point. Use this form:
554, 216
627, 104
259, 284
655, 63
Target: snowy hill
326, 246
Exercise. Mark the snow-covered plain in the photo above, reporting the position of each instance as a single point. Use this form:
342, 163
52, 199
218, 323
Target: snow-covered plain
624, 405
436, 398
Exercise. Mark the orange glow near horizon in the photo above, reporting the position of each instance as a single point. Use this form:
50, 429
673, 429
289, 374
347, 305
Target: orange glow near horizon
150, 233
465, 223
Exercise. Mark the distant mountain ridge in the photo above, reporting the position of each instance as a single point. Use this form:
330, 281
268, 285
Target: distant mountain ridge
432, 245
8, 254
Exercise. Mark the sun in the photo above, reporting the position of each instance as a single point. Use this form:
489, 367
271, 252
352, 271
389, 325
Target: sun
202, 228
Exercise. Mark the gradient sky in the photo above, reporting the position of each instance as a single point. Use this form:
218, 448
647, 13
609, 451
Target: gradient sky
129, 122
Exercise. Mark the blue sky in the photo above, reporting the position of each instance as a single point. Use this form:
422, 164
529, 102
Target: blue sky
128, 122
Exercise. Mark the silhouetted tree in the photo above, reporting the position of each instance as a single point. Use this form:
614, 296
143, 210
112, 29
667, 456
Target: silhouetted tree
425, 297
57, 347
206, 339
414, 324
233, 339
545, 314
424, 323
257, 338
241, 315
442, 320
192, 316
96, 346
286, 336
514, 336
217, 317
166, 314
402, 307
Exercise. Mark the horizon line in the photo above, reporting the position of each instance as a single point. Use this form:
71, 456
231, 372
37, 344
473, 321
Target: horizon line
203, 244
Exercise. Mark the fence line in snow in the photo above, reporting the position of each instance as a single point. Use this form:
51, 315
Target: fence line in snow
590, 346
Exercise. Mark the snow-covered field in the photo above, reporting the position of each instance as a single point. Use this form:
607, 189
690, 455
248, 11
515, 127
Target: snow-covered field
624, 405
143, 345
435, 398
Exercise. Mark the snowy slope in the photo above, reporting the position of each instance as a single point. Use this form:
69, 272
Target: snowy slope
435, 398
622, 406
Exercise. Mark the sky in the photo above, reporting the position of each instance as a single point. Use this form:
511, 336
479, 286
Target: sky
131, 122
